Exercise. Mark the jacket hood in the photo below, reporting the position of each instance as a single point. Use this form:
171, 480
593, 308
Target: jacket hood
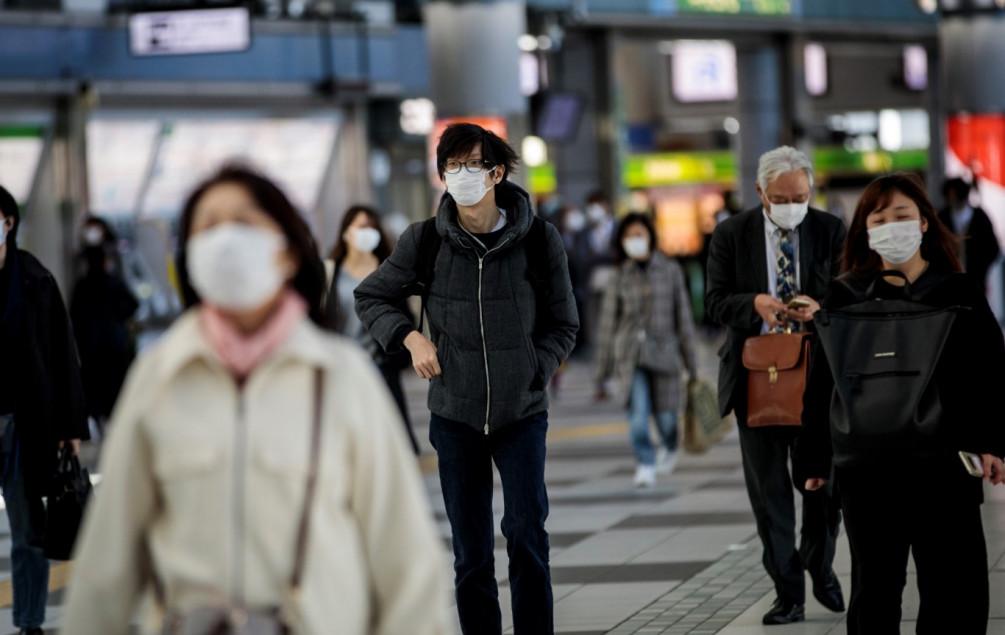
511, 198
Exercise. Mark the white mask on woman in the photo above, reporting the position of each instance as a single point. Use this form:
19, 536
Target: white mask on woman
366, 239
636, 247
896, 243
236, 267
467, 189
575, 221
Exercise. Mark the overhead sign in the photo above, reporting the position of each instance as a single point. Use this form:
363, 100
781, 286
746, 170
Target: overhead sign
703, 70
736, 7
190, 32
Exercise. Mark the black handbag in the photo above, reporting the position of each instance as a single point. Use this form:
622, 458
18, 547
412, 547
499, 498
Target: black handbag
66, 500
883, 354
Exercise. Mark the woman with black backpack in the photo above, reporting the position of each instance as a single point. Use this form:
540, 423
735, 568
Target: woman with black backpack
361, 247
895, 399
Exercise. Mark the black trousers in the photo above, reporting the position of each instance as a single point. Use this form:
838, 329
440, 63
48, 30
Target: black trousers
934, 513
766, 456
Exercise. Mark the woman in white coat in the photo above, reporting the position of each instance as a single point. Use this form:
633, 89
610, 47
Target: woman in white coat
207, 464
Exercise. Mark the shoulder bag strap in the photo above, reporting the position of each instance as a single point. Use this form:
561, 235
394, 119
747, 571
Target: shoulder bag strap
303, 529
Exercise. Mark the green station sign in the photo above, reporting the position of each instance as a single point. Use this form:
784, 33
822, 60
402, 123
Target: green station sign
736, 7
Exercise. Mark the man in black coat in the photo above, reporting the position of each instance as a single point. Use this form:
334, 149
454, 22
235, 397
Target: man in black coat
758, 262
41, 408
978, 243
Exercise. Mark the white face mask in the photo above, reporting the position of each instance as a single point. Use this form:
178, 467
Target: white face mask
467, 189
366, 239
788, 215
236, 267
896, 243
94, 236
575, 221
596, 213
636, 247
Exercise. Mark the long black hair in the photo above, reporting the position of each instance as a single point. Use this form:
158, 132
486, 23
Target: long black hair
341, 249
309, 280
10, 209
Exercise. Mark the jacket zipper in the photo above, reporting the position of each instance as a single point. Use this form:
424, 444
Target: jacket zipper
239, 502
481, 324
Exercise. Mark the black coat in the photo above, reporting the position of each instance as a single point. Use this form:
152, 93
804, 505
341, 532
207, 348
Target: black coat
970, 375
737, 272
496, 348
48, 395
980, 245
100, 310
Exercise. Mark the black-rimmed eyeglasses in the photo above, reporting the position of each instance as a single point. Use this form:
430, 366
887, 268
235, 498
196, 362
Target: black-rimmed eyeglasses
474, 166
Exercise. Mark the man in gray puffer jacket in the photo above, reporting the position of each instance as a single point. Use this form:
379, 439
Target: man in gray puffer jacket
496, 342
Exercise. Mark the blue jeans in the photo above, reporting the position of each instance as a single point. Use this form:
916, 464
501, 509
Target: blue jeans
465, 463
640, 409
29, 566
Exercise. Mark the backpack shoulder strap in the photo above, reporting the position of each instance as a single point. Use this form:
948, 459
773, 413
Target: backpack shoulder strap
425, 264
537, 255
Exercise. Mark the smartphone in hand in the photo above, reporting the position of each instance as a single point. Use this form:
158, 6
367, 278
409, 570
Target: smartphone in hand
973, 464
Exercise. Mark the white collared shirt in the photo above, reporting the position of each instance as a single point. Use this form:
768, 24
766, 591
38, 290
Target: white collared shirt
769, 243
961, 220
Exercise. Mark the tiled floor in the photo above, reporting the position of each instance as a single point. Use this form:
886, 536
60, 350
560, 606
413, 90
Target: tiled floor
681, 558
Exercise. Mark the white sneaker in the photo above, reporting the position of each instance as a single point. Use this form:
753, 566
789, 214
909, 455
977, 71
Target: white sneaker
645, 476
666, 461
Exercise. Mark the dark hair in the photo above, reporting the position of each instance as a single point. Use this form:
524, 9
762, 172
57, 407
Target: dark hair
10, 209
460, 139
626, 222
957, 186
341, 249
309, 280
596, 196
938, 246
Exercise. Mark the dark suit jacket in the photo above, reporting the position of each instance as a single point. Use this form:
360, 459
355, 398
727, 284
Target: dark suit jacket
738, 271
980, 245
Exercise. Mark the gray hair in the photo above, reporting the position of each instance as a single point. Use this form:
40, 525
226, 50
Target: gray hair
779, 161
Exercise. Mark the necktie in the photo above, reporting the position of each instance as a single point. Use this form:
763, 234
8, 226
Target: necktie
785, 254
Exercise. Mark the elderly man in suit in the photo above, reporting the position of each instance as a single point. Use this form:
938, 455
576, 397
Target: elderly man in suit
759, 261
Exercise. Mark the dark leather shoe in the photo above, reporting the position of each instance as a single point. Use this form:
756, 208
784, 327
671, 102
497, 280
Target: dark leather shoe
32, 631
828, 593
784, 613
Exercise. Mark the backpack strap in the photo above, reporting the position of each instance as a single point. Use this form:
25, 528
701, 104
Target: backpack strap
539, 266
428, 249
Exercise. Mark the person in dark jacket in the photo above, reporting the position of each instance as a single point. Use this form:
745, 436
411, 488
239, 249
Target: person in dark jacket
758, 262
41, 408
361, 246
919, 498
100, 309
978, 244
494, 348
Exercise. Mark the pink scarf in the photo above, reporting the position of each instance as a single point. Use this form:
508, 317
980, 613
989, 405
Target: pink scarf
242, 353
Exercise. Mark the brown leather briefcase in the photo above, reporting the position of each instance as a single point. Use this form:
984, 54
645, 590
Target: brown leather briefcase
777, 366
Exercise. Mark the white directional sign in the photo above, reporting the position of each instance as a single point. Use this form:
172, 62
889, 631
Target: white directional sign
189, 32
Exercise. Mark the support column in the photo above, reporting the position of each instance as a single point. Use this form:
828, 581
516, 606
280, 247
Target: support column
475, 61
762, 110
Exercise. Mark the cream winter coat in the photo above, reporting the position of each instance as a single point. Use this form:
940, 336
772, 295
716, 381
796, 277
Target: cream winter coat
203, 485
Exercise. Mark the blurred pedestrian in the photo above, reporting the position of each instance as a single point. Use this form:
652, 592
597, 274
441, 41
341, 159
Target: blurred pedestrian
502, 319
759, 263
907, 433
361, 246
600, 263
256, 468
101, 308
646, 338
978, 246
572, 224
41, 409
